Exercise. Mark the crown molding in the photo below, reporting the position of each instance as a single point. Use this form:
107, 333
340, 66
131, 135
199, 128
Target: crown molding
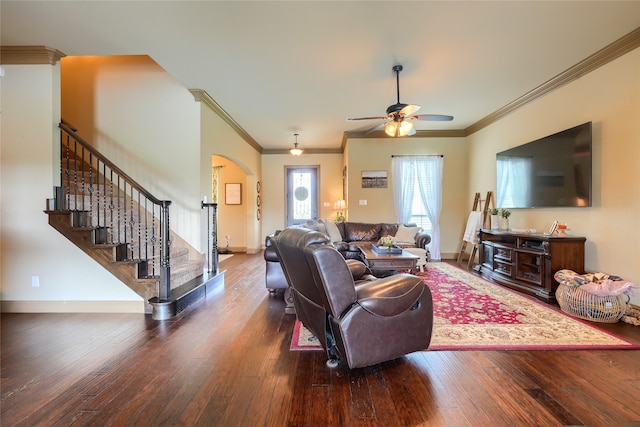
306, 151
24, 55
602, 57
203, 97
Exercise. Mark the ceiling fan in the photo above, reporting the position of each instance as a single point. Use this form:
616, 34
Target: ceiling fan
398, 121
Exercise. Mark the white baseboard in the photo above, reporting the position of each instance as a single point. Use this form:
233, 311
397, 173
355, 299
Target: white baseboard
72, 306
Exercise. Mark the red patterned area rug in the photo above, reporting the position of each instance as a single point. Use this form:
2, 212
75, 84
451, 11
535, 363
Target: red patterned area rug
471, 313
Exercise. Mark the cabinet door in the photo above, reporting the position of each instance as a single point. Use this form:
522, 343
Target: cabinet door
503, 261
503, 268
529, 267
486, 256
503, 254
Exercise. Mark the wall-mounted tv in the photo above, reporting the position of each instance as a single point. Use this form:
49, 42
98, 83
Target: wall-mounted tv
554, 171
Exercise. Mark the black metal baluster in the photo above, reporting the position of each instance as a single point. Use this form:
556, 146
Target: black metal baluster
82, 185
91, 213
111, 209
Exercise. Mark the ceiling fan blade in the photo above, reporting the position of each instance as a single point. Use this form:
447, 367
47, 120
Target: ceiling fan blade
433, 117
408, 110
353, 119
379, 126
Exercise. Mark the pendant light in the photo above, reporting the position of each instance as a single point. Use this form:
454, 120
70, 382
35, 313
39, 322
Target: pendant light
295, 151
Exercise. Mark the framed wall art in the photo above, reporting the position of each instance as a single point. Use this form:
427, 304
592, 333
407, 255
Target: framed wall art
374, 179
233, 194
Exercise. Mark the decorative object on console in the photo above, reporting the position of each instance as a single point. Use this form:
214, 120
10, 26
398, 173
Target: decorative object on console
495, 221
504, 219
562, 230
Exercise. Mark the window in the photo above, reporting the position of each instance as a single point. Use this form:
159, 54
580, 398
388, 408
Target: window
417, 194
419, 215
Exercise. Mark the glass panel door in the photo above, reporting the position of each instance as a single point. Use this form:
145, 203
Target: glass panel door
302, 195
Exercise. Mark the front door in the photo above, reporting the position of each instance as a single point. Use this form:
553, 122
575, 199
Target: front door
302, 194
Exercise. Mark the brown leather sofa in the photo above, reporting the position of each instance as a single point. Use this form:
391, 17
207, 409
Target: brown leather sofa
352, 235
360, 324
275, 279
355, 234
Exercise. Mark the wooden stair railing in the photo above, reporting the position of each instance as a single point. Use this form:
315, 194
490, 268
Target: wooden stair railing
99, 204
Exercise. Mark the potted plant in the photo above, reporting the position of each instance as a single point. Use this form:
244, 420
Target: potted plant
493, 212
504, 219
387, 241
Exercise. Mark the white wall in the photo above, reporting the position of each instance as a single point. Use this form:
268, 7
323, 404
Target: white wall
274, 184
375, 154
30, 106
143, 120
610, 98
239, 222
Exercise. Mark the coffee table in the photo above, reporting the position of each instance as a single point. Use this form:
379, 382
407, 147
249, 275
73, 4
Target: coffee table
401, 261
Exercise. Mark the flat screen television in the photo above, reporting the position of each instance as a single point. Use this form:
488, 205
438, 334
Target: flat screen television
554, 171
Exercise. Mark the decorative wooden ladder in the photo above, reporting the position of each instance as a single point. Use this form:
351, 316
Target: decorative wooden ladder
477, 205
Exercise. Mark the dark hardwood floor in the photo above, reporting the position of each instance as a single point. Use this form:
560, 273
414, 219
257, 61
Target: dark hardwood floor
226, 362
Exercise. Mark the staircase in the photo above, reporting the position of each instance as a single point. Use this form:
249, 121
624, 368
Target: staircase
125, 229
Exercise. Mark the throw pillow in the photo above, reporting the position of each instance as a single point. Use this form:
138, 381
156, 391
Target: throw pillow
332, 231
406, 234
316, 225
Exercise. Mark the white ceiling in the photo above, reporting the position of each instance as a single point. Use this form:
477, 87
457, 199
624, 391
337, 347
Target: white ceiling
299, 66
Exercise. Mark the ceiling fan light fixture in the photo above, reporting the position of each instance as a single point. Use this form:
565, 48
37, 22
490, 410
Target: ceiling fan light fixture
296, 151
391, 128
398, 129
400, 116
406, 128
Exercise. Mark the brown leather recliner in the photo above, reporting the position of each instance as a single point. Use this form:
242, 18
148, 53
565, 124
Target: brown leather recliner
363, 324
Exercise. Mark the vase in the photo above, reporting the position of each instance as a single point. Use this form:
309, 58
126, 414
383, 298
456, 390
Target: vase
495, 224
504, 224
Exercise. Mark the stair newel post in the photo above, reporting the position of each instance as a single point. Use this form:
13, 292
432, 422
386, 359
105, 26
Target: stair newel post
212, 237
164, 291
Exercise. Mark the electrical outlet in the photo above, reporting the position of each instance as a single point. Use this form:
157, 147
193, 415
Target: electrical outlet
363, 203
35, 281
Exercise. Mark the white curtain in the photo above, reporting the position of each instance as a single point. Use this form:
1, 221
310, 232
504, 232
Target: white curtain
403, 174
427, 172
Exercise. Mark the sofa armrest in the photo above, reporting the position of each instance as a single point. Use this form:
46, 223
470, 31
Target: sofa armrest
422, 240
391, 295
358, 269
